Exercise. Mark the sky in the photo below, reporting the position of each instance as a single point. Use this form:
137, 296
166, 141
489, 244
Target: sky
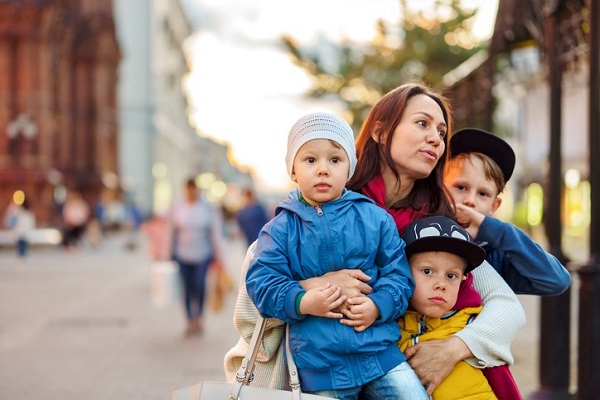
243, 87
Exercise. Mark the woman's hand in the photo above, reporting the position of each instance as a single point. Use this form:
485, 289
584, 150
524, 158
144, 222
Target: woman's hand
435, 359
352, 282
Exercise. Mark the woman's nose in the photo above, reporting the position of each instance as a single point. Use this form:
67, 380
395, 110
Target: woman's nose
434, 137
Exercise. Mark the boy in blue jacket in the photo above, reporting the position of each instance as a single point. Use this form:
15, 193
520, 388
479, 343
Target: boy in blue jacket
344, 348
477, 170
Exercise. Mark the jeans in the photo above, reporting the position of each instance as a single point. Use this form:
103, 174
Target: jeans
400, 383
193, 277
21, 247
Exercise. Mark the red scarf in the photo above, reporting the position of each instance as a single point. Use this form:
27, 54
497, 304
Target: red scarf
375, 190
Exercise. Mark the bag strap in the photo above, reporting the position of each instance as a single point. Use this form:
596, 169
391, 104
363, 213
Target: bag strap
293, 371
245, 374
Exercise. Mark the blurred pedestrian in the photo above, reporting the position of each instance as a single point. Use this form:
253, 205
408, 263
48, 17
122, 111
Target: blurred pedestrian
196, 235
24, 224
155, 230
134, 217
10, 215
251, 217
75, 215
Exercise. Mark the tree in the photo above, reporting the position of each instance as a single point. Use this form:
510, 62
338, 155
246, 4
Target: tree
425, 45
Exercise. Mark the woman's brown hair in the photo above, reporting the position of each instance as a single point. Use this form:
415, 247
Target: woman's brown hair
429, 194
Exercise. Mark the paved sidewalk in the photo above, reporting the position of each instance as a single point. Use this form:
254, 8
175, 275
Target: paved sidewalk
83, 325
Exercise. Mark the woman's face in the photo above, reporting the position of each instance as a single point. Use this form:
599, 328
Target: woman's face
418, 140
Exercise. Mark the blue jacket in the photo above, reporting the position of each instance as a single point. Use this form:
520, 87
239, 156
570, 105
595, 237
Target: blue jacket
302, 242
524, 264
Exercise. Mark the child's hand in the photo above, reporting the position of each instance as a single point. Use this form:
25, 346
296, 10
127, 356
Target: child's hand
322, 301
361, 314
469, 218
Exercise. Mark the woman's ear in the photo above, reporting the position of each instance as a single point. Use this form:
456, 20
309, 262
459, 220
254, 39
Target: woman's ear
376, 133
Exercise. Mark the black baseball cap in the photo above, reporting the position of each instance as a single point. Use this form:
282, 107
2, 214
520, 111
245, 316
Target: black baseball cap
471, 140
441, 233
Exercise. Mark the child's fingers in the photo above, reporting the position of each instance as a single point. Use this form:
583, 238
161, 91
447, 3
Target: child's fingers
335, 303
358, 300
349, 322
331, 314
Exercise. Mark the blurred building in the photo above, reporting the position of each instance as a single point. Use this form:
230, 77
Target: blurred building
158, 148
58, 122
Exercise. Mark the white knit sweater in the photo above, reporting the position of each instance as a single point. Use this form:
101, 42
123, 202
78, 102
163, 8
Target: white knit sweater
270, 369
489, 337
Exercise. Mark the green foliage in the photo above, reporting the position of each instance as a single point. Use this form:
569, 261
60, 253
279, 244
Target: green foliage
424, 45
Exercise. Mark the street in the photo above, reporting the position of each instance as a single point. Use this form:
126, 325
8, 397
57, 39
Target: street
89, 324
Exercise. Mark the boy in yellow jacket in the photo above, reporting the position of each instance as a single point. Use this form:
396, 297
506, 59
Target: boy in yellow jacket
440, 253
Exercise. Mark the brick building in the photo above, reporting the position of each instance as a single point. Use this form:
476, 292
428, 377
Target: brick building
58, 111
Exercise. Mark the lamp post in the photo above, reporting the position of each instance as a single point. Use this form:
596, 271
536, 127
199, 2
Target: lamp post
588, 370
554, 371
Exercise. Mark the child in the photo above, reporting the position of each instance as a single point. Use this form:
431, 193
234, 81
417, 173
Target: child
323, 227
441, 254
479, 166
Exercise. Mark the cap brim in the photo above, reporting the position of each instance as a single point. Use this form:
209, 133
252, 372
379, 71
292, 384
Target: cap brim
471, 140
471, 252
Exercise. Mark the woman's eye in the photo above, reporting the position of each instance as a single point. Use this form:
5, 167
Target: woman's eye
422, 123
442, 133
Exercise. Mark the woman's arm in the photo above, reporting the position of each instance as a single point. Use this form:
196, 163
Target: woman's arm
270, 370
489, 337
483, 343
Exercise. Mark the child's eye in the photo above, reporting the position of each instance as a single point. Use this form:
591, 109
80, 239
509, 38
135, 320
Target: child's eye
310, 160
462, 188
484, 194
335, 160
427, 271
452, 276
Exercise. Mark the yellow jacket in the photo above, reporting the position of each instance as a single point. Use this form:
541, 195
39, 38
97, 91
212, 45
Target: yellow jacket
465, 381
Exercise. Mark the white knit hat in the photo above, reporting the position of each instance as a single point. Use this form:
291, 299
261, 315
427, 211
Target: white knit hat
321, 125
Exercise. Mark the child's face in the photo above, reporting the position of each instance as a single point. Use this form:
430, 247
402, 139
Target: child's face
321, 171
437, 277
468, 185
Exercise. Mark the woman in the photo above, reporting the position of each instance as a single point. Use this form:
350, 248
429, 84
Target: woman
401, 154
195, 233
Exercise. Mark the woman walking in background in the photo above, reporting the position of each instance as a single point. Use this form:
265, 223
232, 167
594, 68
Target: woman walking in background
195, 228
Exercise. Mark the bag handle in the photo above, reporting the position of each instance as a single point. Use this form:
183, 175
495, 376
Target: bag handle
293, 371
245, 373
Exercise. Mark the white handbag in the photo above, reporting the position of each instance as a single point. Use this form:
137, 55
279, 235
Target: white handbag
242, 390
